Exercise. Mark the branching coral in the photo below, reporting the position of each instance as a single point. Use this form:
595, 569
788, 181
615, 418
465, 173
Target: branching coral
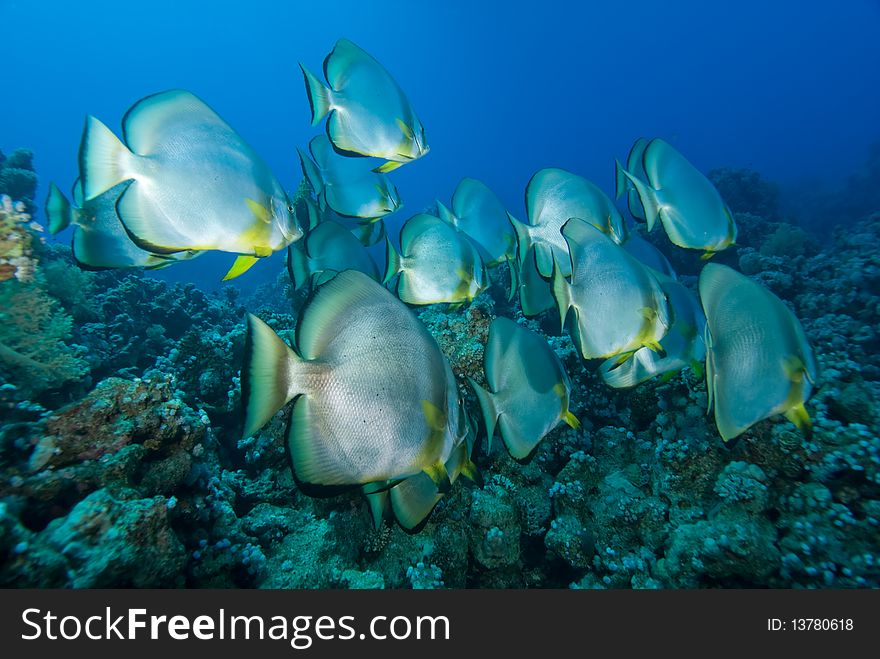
33, 329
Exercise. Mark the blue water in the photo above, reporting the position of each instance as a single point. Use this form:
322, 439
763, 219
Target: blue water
121, 397
783, 88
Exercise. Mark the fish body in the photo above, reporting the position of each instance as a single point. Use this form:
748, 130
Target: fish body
528, 389
682, 345
758, 360
619, 305
436, 263
372, 389
368, 232
554, 196
99, 240
635, 167
368, 113
412, 500
692, 211
329, 248
477, 212
345, 185
196, 184
649, 255
535, 292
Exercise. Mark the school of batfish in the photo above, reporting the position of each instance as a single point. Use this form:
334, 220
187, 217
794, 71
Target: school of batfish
376, 404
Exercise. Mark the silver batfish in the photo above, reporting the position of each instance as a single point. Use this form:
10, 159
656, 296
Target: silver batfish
435, 264
370, 383
345, 185
479, 213
528, 394
99, 240
758, 362
618, 303
692, 212
368, 232
683, 344
328, 249
554, 196
369, 114
197, 185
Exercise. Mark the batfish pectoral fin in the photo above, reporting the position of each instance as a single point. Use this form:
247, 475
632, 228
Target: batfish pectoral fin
404, 128
705, 256
435, 418
438, 474
794, 368
799, 416
571, 420
241, 265
259, 211
462, 292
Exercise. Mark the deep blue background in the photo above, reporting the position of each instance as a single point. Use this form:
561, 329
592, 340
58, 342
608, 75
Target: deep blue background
788, 88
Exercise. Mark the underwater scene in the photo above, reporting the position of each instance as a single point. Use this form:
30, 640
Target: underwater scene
384, 295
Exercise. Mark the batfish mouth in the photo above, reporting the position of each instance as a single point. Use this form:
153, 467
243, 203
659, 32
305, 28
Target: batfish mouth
291, 233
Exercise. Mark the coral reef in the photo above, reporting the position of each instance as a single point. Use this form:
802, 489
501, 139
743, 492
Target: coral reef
17, 260
122, 464
18, 180
746, 191
35, 354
